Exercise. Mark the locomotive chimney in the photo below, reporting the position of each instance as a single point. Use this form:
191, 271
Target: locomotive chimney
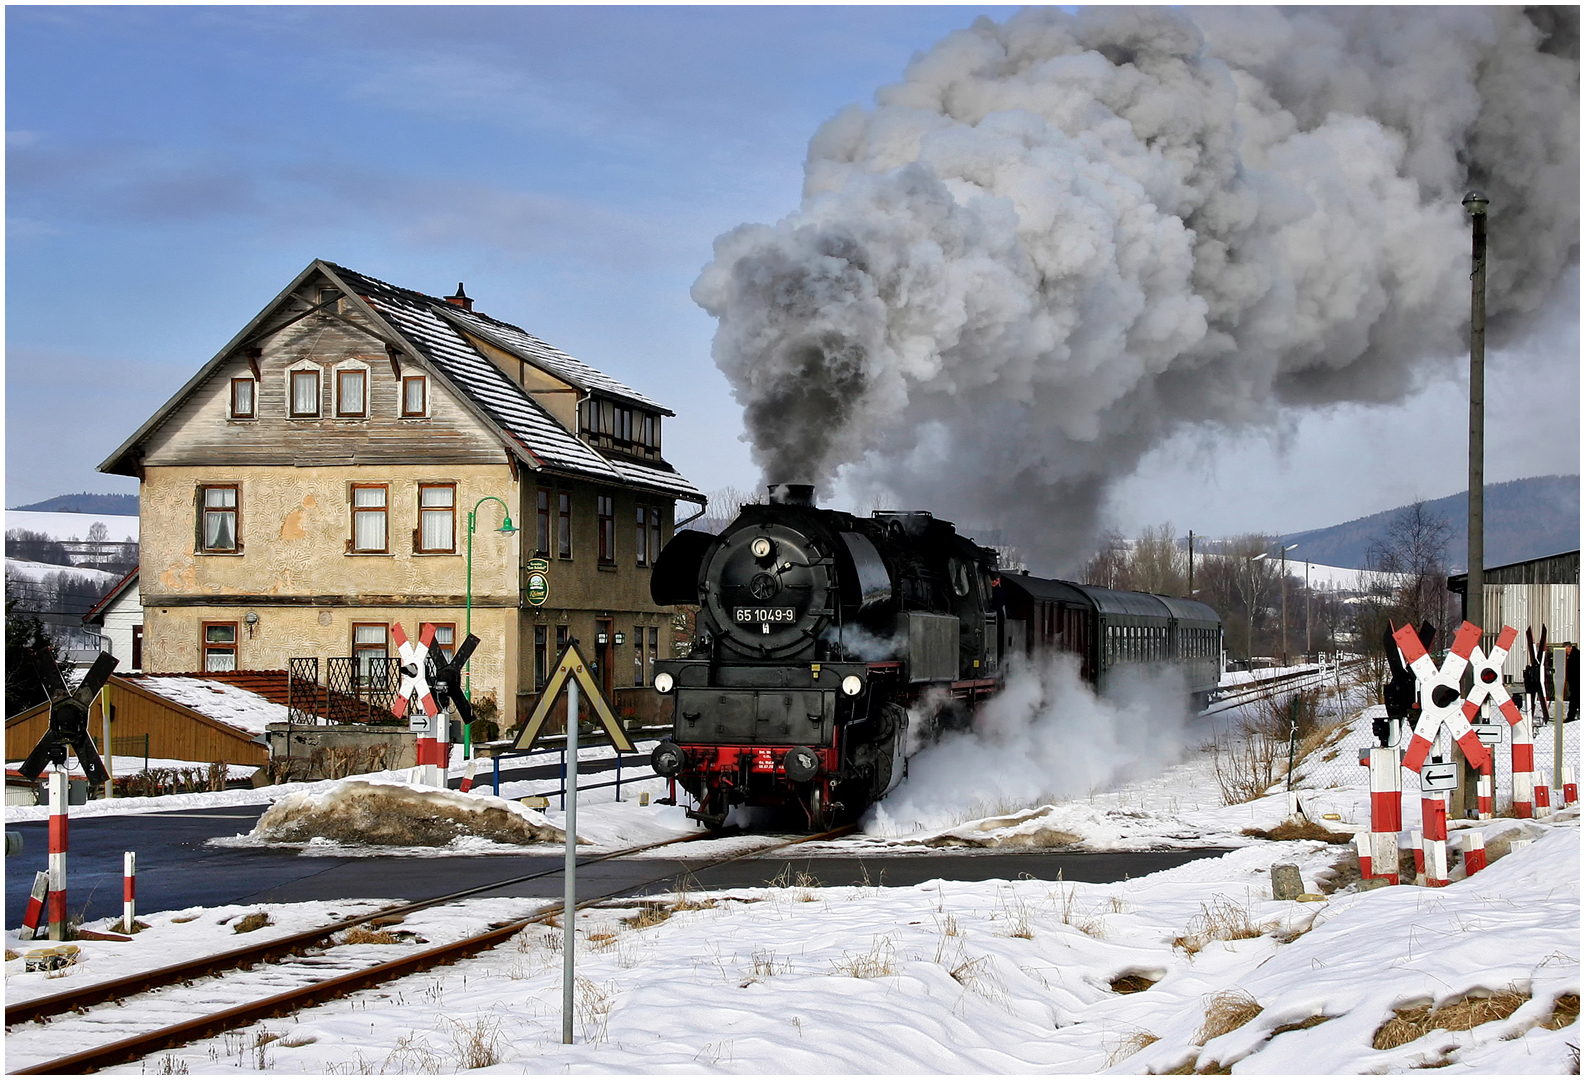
792, 494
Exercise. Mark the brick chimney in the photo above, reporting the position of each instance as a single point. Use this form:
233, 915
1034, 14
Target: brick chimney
462, 299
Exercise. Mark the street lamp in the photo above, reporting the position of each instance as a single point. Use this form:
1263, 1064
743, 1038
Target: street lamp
1249, 638
506, 529
1285, 551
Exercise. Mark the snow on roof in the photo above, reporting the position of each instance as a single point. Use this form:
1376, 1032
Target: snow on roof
417, 318
232, 705
541, 354
63, 526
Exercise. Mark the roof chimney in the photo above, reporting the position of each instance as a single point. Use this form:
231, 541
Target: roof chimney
462, 299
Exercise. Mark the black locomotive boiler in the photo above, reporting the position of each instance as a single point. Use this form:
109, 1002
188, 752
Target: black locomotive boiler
818, 629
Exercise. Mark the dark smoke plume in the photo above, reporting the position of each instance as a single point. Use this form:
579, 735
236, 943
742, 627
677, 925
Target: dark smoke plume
1062, 238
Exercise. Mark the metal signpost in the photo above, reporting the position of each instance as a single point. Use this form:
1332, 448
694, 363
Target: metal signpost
572, 671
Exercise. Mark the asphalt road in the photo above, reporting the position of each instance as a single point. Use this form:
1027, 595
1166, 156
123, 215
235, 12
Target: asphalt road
177, 869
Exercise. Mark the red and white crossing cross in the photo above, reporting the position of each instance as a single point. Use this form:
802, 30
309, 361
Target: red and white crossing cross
414, 678
1488, 679
1440, 699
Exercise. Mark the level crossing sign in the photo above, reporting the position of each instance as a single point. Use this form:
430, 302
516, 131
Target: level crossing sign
1441, 702
572, 666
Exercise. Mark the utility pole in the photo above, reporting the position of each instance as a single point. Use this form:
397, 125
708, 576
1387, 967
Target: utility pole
1308, 644
1191, 562
1285, 551
1474, 588
1475, 581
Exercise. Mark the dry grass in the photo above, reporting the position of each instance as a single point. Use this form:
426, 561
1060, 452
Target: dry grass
1565, 1011
1132, 1044
878, 963
1227, 1011
604, 940
359, 936
184, 918
1301, 830
10, 956
1302, 1025
593, 1004
1472, 1010
249, 923
299, 1040
1246, 767
1220, 920
1132, 983
650, 914
477, 1045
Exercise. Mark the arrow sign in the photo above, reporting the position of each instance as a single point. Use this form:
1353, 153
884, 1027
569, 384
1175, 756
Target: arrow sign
1439, 777
1489, 734
572, 665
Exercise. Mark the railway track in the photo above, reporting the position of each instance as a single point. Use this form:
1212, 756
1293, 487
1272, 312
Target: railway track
319, 977
1287, 682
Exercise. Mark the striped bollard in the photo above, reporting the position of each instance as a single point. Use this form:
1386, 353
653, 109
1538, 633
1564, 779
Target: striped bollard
57, 898
35, 910
1543, 793
1523, 750
1485, 791
1474, 852
1570, 788
1386, 815
468, 774
443, 745
129, 891
1362, 848
1433, 813
1417, 839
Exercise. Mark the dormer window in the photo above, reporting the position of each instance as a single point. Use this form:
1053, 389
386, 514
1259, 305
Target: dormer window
303, 392
608, 425
352, 392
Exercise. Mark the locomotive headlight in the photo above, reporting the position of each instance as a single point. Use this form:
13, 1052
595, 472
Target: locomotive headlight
663, 682
760, 547
852, 685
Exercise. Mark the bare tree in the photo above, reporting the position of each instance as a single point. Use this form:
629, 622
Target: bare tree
1414, 551
724, 506
1157, 564
1108, 567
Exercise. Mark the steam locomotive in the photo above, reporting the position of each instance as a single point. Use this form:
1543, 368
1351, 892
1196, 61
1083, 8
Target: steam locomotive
817, 630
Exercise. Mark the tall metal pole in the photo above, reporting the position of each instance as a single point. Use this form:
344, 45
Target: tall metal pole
1191, 562
569, 903
1284, 604
1474, 588
1309, 646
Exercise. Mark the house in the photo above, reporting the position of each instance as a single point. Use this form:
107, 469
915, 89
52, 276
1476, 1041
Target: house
118, 616
347, 461
176, 718
1532, 595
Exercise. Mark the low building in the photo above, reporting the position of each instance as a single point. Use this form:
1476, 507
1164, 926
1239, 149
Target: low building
1534, 595
118, 617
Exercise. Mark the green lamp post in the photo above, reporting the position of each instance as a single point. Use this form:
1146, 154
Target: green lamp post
506, 529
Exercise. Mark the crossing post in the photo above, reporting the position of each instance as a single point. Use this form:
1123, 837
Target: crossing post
57, 864
129, 891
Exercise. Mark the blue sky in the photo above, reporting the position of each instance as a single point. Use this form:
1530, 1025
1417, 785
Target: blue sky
170, 169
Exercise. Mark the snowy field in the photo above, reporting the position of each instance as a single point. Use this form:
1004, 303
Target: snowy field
59, 526
1196, 968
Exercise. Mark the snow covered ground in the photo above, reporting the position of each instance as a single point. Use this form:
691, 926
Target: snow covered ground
26, 570
60, 526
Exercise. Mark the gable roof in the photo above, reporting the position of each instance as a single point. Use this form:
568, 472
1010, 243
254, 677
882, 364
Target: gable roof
96, 614
430, 330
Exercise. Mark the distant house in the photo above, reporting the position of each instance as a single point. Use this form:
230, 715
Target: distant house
173, 718
118, 617
322, 476
1529, 595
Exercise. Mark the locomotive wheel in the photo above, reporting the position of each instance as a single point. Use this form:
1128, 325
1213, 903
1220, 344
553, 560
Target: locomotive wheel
817, 806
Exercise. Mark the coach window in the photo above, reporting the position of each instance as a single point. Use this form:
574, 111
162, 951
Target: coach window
242, 399
220, 646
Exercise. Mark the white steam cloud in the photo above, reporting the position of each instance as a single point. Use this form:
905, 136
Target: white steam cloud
1047, 736
1062, 238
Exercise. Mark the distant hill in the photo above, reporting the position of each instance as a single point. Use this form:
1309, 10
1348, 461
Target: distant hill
1525, 519
116, 505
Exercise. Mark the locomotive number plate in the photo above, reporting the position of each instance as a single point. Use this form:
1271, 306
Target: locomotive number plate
766, 615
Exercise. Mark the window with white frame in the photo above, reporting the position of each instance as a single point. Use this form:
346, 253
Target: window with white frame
352, 392
302, 392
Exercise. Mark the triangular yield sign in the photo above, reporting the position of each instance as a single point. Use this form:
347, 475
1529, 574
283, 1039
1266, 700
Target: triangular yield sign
572, 664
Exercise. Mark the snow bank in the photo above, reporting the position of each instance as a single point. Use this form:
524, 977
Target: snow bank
400, 815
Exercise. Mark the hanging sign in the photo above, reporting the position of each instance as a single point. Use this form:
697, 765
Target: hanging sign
537, 582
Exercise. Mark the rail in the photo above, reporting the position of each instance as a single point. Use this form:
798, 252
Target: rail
130, 1049
1302, 679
